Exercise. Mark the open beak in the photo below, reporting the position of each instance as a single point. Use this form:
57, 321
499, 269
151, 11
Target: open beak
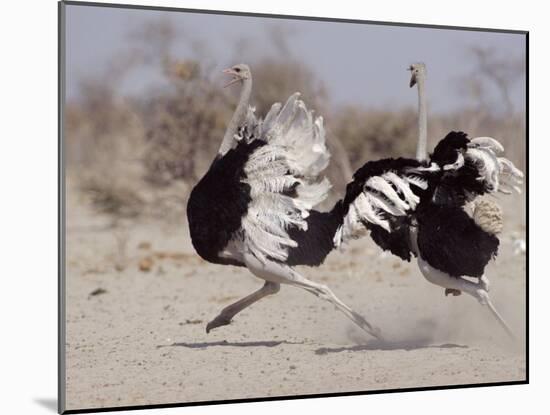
232, 73
413, 77
413, 81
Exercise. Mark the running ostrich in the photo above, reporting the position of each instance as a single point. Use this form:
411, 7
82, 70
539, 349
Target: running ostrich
428, 207
487, 215
254, 206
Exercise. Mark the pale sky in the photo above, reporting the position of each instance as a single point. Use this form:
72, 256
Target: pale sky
358, 63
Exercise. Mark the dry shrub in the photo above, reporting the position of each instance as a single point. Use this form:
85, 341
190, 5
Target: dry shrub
275, 81
104, 137
184, 126
368, 135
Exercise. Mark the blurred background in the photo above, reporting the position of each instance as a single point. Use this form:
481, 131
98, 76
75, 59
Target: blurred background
146, 110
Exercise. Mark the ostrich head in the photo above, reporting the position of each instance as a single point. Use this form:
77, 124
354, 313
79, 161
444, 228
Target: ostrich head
418, 71
239, 72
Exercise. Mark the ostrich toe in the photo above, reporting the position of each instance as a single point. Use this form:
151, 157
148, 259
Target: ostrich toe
452, 291
217, 322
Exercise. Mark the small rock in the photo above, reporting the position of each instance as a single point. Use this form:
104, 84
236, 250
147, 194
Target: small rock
146, 264
196, 321
120, 267
98, 291
144, 245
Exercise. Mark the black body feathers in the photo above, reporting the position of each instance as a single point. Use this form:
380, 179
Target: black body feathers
316, 242
446, 151
455, 187
219, 201
450, 240
396, 241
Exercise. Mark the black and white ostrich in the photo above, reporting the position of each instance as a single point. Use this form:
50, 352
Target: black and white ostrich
254, 206
429, 207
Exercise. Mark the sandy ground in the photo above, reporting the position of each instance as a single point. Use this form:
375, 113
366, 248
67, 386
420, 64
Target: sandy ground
137, 336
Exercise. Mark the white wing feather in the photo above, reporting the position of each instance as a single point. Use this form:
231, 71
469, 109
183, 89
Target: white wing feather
498, 173
382, 197
290, 163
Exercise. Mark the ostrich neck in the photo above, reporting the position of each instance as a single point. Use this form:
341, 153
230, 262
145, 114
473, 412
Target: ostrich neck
421, 149
238, 117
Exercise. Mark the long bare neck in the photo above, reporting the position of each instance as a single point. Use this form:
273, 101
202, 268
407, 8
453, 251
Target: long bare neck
238, 117
422, 146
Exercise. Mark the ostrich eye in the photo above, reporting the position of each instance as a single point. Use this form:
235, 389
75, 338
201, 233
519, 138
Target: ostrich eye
237, 69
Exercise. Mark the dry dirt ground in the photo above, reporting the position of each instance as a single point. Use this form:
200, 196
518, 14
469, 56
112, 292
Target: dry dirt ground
138, 300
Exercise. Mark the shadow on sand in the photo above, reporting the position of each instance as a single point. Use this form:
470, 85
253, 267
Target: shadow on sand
389, 345
373, 345
225, 343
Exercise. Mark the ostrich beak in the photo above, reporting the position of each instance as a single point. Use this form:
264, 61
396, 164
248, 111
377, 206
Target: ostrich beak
413, 81
230, 71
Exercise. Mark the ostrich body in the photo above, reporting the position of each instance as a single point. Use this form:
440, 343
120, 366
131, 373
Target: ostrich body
254, 206
418, 207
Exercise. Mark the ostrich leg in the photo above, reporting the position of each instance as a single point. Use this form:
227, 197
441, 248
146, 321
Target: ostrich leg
280, 273
478, 291
224, 318
483, 284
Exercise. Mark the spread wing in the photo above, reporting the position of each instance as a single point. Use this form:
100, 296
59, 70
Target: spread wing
381, 198
284, 176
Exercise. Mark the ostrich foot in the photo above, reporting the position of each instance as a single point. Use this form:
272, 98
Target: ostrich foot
377, 333
460, 284
227, 314
482, 296
484, 283
452, 291
218, 322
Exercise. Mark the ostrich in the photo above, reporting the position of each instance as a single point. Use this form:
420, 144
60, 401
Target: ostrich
486, 214
419, 207
254, 206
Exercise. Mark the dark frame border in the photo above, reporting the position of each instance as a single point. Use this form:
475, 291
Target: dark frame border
61, 207
61, 309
